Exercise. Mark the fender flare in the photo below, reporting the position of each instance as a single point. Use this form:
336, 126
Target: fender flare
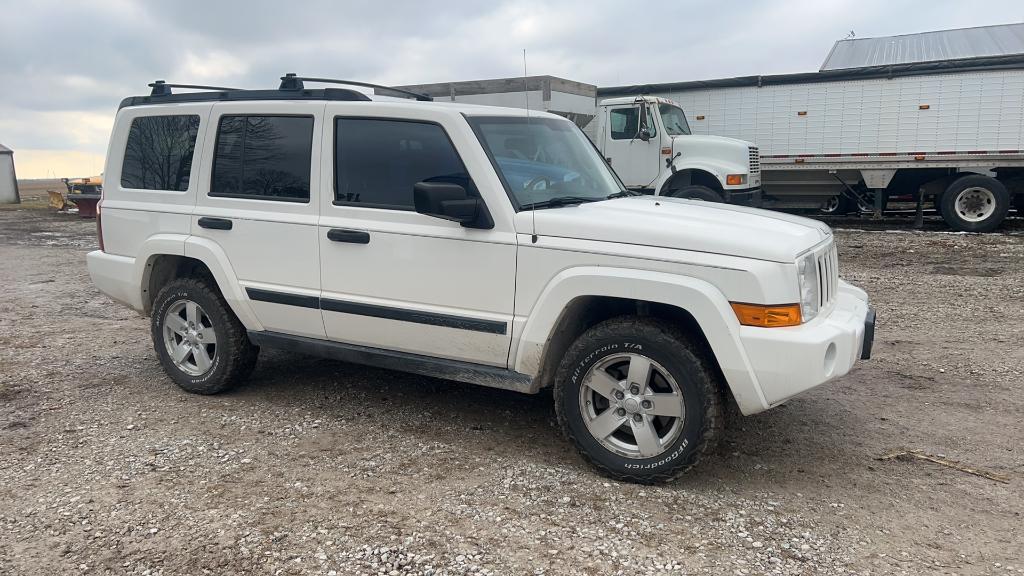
210, 253
702, 300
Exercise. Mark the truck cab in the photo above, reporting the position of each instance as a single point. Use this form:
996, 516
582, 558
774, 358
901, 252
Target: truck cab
648, 142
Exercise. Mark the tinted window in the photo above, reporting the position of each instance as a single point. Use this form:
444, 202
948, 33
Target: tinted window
625, 123
159, 152
377, 162
263, 157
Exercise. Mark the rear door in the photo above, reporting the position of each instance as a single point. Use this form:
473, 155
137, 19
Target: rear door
397, 280
259, 207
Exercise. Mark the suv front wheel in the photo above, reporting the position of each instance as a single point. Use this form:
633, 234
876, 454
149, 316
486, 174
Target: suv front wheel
638, 399
201, 344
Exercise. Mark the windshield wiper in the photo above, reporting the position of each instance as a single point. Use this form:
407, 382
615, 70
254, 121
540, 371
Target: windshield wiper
559, 201
623, 194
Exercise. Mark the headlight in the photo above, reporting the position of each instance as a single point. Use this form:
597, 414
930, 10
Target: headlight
807, 274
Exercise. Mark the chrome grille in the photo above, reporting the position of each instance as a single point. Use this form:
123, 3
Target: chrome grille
828, 275
755, 160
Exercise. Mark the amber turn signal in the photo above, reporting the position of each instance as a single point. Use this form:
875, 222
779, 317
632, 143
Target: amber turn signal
767, 316
735, 179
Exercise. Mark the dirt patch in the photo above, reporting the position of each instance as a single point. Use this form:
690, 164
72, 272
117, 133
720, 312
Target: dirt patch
318, 466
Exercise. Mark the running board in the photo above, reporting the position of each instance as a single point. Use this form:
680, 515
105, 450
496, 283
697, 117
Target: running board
457, 370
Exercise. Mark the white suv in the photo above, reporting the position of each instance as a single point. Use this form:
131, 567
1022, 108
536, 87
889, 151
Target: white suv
479, 244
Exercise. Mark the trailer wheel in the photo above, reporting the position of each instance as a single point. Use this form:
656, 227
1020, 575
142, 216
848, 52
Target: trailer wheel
696, 192
836, 205
975, 203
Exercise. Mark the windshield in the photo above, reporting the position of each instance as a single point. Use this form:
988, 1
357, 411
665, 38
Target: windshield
674, 119
543, 160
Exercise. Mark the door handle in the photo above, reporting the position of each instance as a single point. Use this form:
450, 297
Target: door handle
215, 223
351, 236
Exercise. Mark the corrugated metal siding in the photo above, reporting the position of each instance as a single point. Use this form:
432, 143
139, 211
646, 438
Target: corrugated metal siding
981, 42
966, 111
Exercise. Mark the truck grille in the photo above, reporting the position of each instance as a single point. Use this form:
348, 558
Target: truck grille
755, 160
828, 275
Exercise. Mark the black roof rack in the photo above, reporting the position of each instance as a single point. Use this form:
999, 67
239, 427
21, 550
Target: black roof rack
292, 88
161, 88
292, 82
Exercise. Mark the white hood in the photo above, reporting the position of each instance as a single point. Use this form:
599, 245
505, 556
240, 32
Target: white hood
686, 225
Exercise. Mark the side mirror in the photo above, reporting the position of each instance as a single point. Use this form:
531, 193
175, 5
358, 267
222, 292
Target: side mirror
644, 131
451, 202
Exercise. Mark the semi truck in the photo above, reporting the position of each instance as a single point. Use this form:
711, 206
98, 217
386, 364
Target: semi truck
936, 117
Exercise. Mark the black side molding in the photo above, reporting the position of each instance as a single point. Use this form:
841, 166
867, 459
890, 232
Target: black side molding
283, 298
386, 312
460, 371
415, 316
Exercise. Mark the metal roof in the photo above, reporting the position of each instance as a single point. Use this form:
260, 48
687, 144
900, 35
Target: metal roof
5, 150
943, 45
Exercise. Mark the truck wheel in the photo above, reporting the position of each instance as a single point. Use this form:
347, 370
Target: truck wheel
696, 192
638, 399
975, 203
836, 205
201, 344
866, 202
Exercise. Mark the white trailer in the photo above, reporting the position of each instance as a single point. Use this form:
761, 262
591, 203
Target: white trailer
949, 130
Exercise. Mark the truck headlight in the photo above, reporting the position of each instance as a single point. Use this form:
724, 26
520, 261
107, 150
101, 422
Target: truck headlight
807, 274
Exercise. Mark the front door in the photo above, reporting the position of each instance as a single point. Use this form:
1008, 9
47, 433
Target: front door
635, 161
397, 280
259, 207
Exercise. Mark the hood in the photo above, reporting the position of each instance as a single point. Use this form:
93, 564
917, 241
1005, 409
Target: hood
723, 140
686, 225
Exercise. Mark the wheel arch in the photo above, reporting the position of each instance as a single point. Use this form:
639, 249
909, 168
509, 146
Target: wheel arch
194, 257
571, 305
691, 176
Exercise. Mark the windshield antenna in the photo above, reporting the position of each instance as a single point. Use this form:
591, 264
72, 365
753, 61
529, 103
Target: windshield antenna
526, 94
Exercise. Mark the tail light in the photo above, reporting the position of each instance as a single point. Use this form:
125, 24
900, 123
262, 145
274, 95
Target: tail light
99, 221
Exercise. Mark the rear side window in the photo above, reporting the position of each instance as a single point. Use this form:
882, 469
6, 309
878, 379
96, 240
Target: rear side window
377, 162
263, 157
158, 155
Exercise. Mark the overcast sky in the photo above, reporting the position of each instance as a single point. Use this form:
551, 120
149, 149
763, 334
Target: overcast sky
64, 66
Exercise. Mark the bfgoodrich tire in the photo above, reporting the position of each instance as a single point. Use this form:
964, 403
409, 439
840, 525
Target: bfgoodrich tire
199, 340
975, 204
638, 399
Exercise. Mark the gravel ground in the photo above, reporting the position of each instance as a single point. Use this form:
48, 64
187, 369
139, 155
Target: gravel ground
320, 467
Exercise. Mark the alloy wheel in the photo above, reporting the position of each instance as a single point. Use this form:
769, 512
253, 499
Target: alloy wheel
632, 405
189, 337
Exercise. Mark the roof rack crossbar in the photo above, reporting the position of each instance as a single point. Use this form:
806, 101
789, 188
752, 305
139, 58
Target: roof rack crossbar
292, 82
161, 88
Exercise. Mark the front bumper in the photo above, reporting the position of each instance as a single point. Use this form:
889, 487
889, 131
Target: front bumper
788, 361
747, 197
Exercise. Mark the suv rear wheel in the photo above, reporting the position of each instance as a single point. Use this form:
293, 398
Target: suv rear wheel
201, 344
638, 399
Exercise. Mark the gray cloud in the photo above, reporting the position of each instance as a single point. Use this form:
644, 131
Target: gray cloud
64, 60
